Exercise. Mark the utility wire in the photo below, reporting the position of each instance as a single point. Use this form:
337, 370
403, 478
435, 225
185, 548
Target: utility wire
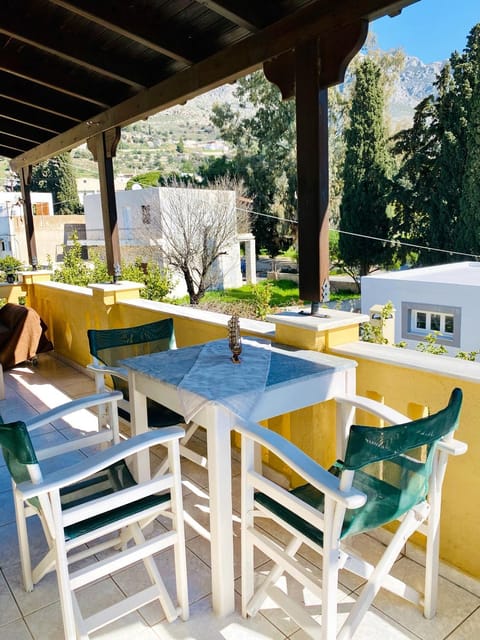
408, 244
398, 243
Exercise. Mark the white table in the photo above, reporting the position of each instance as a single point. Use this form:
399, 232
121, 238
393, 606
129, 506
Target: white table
296, 379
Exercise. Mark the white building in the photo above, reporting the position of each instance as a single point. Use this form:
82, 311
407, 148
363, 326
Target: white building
144, 219
444, 299
12, 227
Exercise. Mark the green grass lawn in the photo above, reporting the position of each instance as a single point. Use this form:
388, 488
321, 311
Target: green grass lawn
284, 293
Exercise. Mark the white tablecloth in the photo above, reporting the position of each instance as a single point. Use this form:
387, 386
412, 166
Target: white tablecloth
215, 378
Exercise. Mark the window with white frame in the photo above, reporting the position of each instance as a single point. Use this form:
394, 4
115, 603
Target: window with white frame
420, 319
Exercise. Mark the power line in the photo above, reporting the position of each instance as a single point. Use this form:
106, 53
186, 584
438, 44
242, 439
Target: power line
398, 243
408, 244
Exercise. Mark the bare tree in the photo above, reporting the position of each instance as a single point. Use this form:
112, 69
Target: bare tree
197, 227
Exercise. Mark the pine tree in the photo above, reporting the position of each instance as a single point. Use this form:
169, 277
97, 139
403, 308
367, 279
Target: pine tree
265, 156
56, 176
468, 236
437, 192
366, 174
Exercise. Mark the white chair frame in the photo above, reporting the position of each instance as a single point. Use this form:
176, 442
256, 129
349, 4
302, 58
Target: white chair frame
64, 552
335, 553
101, 373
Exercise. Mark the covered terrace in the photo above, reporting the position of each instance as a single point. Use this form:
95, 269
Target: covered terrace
78, 71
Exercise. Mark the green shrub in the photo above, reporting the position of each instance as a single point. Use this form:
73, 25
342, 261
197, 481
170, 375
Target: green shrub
74, 269
374, 333
262, 296
431, 346
9, 264
99, 272
158, 282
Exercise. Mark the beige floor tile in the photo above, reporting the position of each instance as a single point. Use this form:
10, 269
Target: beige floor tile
375, 626
8, 608
203, 625
9, 555
32, 389
469, 629
43, 594
46, 623
452, 574
134, 579
454, 604
297, 594
17, 630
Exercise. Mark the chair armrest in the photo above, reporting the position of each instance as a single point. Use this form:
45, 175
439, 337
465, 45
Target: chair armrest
392, 416
120, 372
453, 447
80, 470
70, 407
301, 463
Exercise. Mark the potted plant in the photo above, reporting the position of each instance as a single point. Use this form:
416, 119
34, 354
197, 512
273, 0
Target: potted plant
10, 265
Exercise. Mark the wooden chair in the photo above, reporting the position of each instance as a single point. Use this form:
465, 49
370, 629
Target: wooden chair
387, 473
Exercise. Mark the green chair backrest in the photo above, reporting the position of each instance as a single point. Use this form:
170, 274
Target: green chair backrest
393, 465
17, 450
110, 346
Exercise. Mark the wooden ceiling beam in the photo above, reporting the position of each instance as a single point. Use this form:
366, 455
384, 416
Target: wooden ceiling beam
35, 95
16, 142
23, 131
80, 53
33, 117
225, 66
31, 68
126, 23
236, 12
6, 152
13, 150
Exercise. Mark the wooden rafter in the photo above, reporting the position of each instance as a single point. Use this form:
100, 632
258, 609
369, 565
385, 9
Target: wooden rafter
43, 98
127, 24
25, 131
37, 70
83, 53
32, 117
237, 12
224, 66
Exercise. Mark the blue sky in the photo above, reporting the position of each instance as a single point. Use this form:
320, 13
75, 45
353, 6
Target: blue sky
430, 29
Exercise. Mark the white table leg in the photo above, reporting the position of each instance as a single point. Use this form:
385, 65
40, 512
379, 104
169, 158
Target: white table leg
2, 384
221, 528
138, 424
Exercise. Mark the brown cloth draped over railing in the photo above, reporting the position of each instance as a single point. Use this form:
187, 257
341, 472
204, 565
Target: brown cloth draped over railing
22, 335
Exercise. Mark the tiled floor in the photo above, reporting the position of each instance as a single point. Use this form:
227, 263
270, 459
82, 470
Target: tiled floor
36, 615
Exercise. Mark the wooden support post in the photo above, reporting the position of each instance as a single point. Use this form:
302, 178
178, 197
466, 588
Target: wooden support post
25, 178
312, 174
307, 72
103, 147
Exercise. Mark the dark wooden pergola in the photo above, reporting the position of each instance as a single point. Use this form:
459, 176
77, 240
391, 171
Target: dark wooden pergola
79, 71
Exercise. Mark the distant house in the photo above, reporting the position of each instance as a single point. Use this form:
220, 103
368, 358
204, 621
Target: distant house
12, 225
86, 186
443, 299
143, 215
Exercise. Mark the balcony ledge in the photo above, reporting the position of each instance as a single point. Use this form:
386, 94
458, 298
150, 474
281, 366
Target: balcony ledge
257, 327
410, 359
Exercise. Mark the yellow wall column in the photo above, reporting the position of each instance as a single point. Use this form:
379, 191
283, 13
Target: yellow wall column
313, 429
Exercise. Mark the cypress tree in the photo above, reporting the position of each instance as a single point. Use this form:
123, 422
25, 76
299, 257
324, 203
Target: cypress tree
366, 174
437, 192
468, 236
56, 176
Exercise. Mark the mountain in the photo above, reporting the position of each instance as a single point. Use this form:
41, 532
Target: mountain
182, 135
415, 83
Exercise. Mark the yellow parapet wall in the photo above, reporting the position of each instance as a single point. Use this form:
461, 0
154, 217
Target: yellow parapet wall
69, 311
416, 383
409, 381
